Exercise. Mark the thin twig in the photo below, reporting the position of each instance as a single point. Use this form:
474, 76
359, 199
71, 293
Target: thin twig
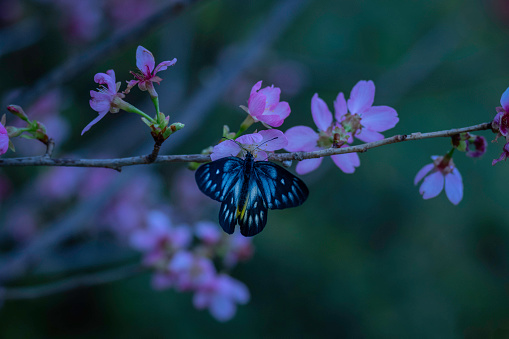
146, 159
68, 284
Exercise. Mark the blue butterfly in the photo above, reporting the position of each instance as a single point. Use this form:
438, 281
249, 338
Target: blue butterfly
247, 189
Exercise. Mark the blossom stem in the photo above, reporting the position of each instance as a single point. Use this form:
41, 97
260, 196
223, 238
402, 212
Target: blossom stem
130, 108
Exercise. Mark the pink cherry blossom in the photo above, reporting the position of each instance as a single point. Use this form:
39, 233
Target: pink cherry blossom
237, 248
256, 143
147, 76
160, 239
362, 119
435, 174
303, 138
208, 232
4, 139
357, 117
106, 99
190, 271
264, 105
221, 297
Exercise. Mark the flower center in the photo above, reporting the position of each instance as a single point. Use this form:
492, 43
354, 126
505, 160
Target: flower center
352, 123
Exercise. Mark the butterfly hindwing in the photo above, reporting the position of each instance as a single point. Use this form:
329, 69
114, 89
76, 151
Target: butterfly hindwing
280, 188
252, 215
217, 178
228, 210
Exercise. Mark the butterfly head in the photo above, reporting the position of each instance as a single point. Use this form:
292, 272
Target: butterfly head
252, 151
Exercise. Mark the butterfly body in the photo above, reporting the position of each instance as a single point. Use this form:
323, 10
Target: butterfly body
247, 189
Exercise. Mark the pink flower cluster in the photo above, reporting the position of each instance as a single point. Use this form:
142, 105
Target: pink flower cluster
179, 264
355, 118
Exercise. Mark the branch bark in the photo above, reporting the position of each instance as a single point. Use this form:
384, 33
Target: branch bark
118, 163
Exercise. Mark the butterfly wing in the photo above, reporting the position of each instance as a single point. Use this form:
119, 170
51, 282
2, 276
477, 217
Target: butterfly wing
252, 216
280, 189
218, 178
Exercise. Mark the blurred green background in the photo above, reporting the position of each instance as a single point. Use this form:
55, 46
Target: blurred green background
365, 256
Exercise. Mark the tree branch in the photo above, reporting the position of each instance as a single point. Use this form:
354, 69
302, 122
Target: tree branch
118, 163
92, 279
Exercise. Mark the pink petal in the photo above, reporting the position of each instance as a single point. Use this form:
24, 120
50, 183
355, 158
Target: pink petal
272, 140
107, 79
257, 105
222, 308
432, 185
271, 120
321, 114
225, 149
379, 118
308, 165
454, 186
361, 97
504, 100
100, 102
255, 88
144, 60
93, 122
272, 95
164, 65
282, 110
346, 162
422, 173
340, 108
301, 138
250, 139
4, 140
368, 135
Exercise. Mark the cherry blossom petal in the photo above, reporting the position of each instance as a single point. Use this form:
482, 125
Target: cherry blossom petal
225, 149
222, 308
107, 79
272, 140
504, 100
422, 173
340, 108
346, 162
432, 185
255, 88
308, 165
379, 118
300, 138
4, 139
368, 135
321, 114
250, 139
257, 105
282, 110
145, 60
454, 186
361, 97
164, 65
271, 94
93, 122
271, 120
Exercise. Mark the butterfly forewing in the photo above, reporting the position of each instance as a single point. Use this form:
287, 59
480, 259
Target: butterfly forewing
217, 178
280, 188
252, 215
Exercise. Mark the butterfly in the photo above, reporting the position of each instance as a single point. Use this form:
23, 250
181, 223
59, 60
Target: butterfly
247, 189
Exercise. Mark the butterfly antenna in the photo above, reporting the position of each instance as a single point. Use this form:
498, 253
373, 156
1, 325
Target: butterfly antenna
266, 141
